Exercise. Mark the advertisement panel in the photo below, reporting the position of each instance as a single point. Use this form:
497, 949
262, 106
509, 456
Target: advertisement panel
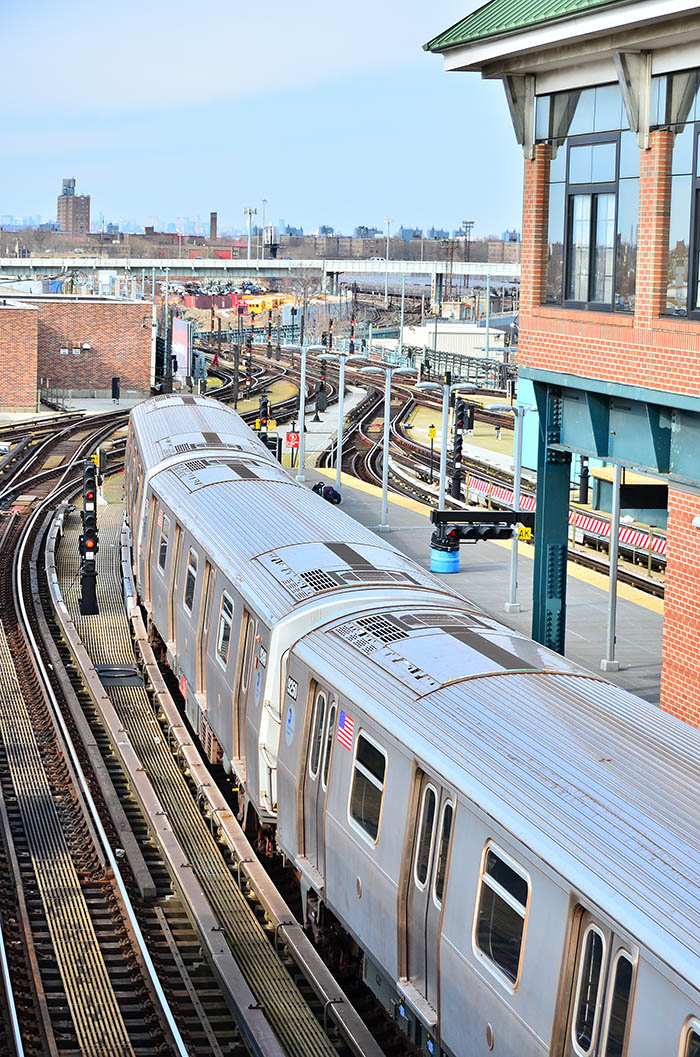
181, 345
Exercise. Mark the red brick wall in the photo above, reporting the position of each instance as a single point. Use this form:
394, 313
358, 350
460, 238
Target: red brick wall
120, 344
680, 672
645, 350
18, 343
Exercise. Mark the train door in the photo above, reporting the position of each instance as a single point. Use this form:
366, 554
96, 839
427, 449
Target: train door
601, 985
174, 579
204, 624
149, 556
244, 681
317, 770
425, 888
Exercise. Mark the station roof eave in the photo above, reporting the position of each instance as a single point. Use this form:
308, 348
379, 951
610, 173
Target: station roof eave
490, 37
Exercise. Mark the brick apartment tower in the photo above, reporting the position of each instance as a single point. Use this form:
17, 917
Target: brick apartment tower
73, 211
603, 100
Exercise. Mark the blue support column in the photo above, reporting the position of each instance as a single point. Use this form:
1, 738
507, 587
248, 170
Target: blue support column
551, 524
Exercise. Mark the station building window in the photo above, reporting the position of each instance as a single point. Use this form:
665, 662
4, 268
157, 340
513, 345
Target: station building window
593, 198
675, 105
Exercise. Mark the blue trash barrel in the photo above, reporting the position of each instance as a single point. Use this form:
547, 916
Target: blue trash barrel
444, 561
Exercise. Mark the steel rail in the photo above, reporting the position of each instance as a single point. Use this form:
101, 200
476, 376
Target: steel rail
23, 612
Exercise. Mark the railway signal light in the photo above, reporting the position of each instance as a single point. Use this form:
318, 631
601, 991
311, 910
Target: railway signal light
470, 526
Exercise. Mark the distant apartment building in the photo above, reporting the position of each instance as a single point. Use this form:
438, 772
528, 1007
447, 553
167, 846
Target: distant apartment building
73, 210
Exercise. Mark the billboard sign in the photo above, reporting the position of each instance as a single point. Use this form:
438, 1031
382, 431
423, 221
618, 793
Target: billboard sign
181, 351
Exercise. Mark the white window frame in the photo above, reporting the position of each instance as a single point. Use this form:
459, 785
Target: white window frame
692, 1026
225, 596
164, 535
320, 693
620, 952
191, 552
590, 927
486, 879
328, 741
372, 841
438, 836
429, 787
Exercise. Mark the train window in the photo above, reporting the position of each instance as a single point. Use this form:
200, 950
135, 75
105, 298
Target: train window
692, 1047
164, 534
588, 990
443, 851
500, 923
426, 831
190, 580
619, 1005
367, 786
330, 731
247, 655
223, 638
317, 733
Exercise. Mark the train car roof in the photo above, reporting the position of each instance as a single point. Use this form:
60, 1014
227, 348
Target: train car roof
602, 786
181, 423
229, 492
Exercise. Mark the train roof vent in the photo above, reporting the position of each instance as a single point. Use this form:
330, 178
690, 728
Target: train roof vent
374, 576
318, 580
192, 465
443, 621
381, 628
181, 449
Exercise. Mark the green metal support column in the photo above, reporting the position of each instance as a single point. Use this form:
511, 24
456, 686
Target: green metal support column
551, 524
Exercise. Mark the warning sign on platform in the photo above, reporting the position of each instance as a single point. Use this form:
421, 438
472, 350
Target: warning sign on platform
524, 533
292, 440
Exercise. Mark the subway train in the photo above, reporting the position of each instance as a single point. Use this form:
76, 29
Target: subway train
508, 844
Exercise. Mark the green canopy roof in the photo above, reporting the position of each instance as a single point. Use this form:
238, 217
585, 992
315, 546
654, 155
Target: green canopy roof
499, 17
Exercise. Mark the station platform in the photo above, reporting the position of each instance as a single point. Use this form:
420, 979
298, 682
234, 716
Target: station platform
484, 578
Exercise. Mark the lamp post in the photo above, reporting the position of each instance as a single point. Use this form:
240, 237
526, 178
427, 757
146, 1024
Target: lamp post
341, 360
446, 389
303, 349
610, 662
519, 410
388, 373
249, 212
263, 202
386, 270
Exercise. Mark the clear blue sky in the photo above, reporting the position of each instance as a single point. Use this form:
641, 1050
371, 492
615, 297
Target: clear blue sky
333, 113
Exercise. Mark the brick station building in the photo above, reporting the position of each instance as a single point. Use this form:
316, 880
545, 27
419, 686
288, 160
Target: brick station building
73, 342
605, 101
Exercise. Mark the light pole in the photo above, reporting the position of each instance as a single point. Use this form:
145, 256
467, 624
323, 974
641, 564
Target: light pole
263, 202
388, 373
341, 360
519, 410
609, 662
303, 349
446, 389
386, 270
403, 310
249, 212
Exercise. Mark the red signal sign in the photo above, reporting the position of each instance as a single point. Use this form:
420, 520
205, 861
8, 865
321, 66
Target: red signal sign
292, 440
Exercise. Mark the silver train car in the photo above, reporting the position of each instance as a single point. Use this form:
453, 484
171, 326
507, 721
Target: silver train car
509, 843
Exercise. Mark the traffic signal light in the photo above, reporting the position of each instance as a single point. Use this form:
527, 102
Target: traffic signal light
460, 414
264, 412
324, 338
90, 487
470, 526
322, 384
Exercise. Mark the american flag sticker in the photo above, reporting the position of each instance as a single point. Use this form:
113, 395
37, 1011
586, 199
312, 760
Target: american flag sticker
346, 725
160, 518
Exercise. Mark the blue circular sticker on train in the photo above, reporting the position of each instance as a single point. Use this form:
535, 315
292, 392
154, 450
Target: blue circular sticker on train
289, 725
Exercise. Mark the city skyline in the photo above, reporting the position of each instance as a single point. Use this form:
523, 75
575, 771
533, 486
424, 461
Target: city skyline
331, 123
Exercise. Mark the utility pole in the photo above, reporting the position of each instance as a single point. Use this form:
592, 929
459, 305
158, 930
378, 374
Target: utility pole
262, 240
249, 212
386, 270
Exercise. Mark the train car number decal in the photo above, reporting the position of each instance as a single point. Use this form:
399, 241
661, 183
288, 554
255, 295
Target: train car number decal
292, 688
263, 657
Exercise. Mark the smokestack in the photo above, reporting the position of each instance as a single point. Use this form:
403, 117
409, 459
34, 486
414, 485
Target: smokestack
212, 225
